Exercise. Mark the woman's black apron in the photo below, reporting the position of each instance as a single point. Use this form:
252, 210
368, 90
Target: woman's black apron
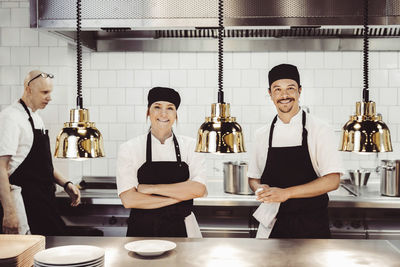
167, 221
35, 175
291, 166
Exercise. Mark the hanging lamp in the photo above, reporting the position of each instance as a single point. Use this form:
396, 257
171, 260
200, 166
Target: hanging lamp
220, 133
79, 138
365, 131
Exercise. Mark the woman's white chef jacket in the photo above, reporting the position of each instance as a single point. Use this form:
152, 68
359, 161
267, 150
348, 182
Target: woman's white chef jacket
322, 145
132, 154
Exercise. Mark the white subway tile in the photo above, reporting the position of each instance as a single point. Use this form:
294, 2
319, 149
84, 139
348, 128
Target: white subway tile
125, 114
323, 78
394, 112
307, 78
341, 78
351, 60
394, 78
47, 39
259, 60
112, 167
357, 78
341, 114
142, 78
263, 78
388, 60
178, 78
332, 60
259, 95
5, 56
151, 60
107, 78
10, 4
9, 37
86, 58
241, 60
160, 78
312, 96
210, 78
125, 78
228, 60
195, 78
94, 116
99, 167
140, 113
116, 60
116, 96
379, 78
99, 96
50, 114
351, 95
59, 56
197, 114
241, 95
314, 60
206, 60
9, 75
232, 78
276, 58
182, 115
134, 60
20, 17
388, 96
29, 37
99, 61
108, 114
5, 95
187, 60
169, 61
298, 59
59, 95
373, 60
134, 96
205, 96
189, 96
324, 113
251, 114
250, 78
39, 55
5, 17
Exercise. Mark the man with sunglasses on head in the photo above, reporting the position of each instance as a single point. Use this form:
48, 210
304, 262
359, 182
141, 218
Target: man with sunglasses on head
26, 164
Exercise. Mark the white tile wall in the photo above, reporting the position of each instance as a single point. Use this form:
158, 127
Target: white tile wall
115, 87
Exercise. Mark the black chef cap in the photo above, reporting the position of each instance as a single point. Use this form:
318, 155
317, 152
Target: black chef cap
163, 94
284, 71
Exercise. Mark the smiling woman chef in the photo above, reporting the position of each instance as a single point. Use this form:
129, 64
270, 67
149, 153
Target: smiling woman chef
295, 161
159, 174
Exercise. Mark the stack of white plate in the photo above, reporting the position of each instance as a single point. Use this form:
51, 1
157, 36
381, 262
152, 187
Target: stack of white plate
73, 256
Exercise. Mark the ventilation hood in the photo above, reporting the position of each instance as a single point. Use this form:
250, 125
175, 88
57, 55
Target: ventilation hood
250, 25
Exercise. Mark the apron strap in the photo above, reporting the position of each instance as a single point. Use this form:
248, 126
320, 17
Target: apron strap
29, 114
304, 132
176, 145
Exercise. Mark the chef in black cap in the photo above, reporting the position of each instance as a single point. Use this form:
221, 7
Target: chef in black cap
159, 174
295, 161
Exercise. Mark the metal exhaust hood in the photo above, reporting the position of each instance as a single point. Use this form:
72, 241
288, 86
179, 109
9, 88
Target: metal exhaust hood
251, 25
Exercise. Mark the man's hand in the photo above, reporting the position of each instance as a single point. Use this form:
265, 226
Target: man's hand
273, 194
74, 194
10, 223
145, 189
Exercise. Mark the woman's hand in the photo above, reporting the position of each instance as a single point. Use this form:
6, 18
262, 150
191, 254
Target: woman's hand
273, 194
145, 189
74, 194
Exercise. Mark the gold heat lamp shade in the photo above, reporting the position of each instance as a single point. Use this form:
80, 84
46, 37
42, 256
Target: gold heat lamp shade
220, 133
79, 138
366, 132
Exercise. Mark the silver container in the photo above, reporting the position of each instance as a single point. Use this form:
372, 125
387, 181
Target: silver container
359, 177
235, 178
390, 178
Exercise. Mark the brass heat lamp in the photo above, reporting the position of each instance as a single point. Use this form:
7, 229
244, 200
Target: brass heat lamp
220, 133
365, 131
79, 139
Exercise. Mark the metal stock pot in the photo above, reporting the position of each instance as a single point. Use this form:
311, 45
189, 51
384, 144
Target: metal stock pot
235, 178
390, 178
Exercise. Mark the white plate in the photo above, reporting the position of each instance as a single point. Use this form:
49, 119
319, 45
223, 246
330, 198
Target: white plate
65, 255
150, 247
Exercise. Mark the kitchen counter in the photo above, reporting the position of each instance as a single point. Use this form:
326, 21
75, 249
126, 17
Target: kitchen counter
346, 196
246, 252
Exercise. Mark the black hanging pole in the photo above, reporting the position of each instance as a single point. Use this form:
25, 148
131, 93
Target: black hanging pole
365, 53
79, 99
220, 51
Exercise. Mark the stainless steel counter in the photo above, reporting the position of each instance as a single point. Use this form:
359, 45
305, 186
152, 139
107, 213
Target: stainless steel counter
247, 252
363, 197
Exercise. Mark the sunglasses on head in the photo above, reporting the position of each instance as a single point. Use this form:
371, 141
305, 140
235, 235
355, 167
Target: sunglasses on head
44, 75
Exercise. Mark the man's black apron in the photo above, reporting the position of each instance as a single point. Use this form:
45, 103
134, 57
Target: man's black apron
291, 166
167, 221
35, 175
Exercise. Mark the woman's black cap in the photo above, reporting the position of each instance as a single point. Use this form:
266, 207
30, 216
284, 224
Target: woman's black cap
284, 71
163, 94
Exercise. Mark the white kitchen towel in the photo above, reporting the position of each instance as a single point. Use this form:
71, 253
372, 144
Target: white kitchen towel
23, 228
266, 215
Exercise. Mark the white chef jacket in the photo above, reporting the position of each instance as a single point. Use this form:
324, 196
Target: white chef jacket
323, 149
16, 136
132, 155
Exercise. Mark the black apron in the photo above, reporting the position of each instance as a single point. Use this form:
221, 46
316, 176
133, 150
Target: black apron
35, 175
291, 166
167, 221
